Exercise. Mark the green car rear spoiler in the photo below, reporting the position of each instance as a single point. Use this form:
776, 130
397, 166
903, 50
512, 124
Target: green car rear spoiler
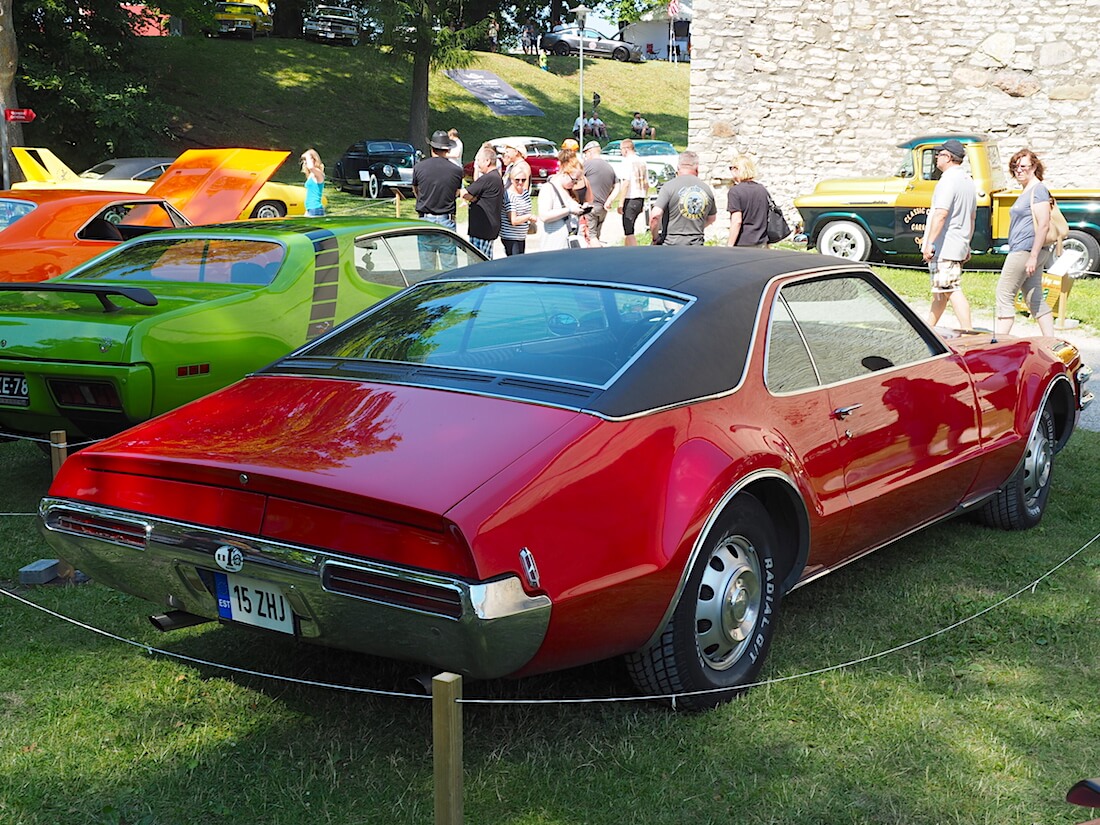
137, 294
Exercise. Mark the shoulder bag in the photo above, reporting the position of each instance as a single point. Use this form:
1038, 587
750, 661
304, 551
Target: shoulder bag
1057, 228
778, 228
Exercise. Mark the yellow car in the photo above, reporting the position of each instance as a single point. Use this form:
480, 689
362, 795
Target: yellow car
44, 170
244, 19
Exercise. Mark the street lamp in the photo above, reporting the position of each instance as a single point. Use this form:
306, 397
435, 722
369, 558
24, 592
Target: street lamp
580, 13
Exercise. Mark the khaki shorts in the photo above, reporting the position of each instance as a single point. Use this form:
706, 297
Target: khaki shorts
945, 275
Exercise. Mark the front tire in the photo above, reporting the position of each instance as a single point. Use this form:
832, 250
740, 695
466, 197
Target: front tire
724, 621
621, 54
844, 239
1087, 247
1021, 501
374, 186
269, 209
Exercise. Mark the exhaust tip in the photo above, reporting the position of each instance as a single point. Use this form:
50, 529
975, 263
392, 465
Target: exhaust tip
176, 620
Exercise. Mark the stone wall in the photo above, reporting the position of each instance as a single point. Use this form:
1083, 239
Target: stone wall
828, 88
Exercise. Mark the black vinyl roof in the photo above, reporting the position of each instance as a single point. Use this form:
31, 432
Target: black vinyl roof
703, 352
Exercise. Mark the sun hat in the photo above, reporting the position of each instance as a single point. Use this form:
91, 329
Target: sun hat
515, 145
441, 140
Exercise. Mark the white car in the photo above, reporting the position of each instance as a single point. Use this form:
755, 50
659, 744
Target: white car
660, 156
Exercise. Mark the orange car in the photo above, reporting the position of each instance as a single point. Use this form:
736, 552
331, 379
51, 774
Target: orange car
44, 233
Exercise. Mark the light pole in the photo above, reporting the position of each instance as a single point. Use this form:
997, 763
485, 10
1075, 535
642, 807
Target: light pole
581, 15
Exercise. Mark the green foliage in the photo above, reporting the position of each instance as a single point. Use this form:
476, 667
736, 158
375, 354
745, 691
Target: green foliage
629, 11
80, 74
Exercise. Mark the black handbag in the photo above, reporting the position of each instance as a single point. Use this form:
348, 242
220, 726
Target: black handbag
778, 228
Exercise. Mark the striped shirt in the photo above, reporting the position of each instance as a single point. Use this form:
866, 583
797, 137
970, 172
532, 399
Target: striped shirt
521, 205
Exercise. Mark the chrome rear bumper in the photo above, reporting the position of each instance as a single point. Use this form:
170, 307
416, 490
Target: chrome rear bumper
480, 629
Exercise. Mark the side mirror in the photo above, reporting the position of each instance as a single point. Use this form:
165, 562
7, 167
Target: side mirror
1085, 793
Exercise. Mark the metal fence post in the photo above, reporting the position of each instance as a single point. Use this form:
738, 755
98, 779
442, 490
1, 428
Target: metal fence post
447, 748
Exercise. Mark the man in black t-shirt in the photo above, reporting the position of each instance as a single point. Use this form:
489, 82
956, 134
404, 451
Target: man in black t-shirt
435, 183
604, 184
486, 197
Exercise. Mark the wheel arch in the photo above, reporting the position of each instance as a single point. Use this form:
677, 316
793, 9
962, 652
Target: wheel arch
1063, 406
780, 497
825, 218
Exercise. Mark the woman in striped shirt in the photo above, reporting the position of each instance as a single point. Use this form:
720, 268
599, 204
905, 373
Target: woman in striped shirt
516, 217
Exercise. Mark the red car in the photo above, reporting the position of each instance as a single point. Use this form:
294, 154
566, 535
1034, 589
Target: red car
529, 464
46, 232
541, 156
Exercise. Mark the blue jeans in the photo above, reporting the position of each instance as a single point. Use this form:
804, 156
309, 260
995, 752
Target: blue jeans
437, 252
318, 212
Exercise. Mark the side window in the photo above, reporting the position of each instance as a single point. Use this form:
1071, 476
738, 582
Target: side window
787, 363
851, 328
428, 253
375, 263
928, 164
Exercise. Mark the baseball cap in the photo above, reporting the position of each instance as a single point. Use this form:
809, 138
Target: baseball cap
592, 144
954, 148
570, 143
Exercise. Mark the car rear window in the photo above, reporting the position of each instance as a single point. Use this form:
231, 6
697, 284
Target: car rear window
576, 333
191, 260
12, 210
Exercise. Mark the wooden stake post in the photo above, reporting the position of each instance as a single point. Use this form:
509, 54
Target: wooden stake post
447, 748
59, 449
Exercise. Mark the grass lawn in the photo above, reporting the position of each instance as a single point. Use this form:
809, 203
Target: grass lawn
988, 723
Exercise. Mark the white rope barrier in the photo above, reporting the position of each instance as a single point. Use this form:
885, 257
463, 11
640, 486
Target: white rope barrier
34, 439
1031, 586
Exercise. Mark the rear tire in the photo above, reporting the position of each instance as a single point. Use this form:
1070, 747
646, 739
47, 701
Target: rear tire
1020, 502
269, 209
844, 239
724, 621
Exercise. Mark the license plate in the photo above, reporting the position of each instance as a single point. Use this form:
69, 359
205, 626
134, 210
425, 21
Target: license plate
254, 602
13, 390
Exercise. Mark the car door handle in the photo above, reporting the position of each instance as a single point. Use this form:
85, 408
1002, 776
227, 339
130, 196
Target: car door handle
844, 412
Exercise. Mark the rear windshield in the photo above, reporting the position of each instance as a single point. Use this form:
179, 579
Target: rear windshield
559, 331
13, 210
191, 260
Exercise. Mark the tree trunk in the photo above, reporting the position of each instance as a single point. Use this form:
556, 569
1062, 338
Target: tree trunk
418, 106
9, 61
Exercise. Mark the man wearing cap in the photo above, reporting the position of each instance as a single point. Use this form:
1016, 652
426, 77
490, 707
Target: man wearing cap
603, 183
946, 243
513, 152
435, 184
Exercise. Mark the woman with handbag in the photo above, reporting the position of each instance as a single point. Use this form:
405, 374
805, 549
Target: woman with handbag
559, 209
749, 204
1029, 222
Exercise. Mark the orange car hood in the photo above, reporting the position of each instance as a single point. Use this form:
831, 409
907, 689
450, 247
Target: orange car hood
214, 185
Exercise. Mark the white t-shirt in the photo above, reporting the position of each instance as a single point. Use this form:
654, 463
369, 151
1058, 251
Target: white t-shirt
454, 154
955, 192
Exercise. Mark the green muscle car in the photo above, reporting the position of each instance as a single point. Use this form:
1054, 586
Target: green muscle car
173, 315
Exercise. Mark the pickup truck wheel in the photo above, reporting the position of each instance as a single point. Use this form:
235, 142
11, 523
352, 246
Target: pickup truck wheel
1087, 247
844, 239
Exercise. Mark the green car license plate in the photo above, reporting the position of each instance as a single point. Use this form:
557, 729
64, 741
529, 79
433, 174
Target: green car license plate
13, 390
254, 602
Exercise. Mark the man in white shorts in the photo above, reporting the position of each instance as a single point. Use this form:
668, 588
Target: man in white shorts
946, 245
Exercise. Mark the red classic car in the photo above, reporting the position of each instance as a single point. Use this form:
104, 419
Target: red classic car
541, 156
45, 232
529, 464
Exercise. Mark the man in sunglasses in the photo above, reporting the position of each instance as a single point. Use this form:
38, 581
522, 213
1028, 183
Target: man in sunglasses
946, 244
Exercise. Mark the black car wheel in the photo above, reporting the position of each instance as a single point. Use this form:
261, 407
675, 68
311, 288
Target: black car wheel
723, 624
1020, 502
561, 49
373, 186
269, 209
621, 54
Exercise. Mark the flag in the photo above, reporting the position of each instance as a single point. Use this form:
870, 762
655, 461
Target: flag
673, 8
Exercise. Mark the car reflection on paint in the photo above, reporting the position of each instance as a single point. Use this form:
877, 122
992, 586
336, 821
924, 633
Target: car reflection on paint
173, 315
547, 460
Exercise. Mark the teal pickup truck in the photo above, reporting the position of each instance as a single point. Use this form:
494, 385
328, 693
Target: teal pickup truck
863, 218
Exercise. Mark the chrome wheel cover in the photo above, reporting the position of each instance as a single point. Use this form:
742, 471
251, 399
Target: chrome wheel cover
1037, 465
728, 603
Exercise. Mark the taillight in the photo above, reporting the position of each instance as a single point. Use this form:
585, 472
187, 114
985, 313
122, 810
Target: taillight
392, 590
117, 531
100, 395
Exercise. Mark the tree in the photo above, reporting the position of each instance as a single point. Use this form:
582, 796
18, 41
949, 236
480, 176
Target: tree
9, 61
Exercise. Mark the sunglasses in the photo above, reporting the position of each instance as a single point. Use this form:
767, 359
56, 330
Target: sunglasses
521, 180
